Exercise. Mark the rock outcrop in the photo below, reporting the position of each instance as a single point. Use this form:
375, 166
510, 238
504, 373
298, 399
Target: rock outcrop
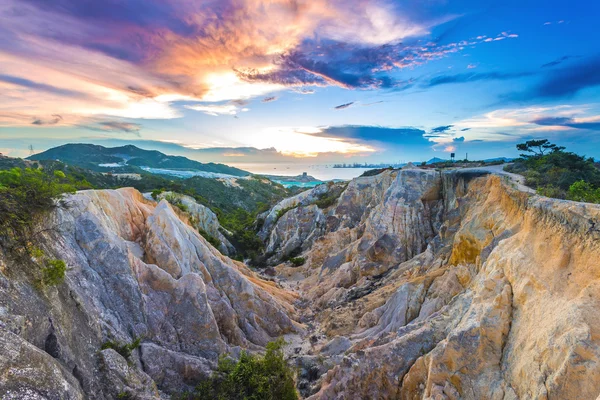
202, 218
136, 270
293, 224
451, 285
418, 284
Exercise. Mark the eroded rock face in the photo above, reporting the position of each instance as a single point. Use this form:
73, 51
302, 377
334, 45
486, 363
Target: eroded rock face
201, 218
417, 285
452, 286
136, 270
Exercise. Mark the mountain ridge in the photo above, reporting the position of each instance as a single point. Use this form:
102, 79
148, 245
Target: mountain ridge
127, 158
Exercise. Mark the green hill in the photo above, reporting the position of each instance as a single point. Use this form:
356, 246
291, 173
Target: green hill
127, 159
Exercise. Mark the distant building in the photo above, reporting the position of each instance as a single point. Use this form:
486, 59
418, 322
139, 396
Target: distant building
304, 174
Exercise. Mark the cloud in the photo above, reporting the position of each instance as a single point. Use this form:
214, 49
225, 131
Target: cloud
458, 139
465, 129
42, 87
342, 106
114, 127
134, 59
216, 110
303, 91
509, 124
372, 103
593, 125
378, 137
559, 60
474, 77
568, 81
55, 119
269, 99
441, 129
351, 66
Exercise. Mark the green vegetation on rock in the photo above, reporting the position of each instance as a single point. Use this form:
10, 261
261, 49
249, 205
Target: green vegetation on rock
553, 172
54, 272
329, 198
252, 377
216, 243
124, 349
297, 261
26, 195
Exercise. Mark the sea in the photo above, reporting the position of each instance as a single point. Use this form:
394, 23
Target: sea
318, 171
322, 172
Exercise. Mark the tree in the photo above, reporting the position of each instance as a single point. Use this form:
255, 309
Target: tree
538, 148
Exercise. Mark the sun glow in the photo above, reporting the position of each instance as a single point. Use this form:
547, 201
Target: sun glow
228, 86
306, 142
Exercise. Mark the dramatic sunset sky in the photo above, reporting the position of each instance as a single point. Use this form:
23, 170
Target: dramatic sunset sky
301, 81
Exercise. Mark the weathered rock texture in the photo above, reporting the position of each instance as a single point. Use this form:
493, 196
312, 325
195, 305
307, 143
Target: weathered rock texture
451, 286
201, 218
417, 284
136, 270
293, 225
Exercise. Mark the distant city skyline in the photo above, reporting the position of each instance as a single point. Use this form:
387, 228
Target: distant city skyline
305, 82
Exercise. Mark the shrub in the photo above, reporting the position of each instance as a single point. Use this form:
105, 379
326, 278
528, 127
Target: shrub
327, 200
282, 212
583, 191
297, 261
25, 196
550, 191
155, 193
552, 171
123, 349
176, 201
210, 238
267, 377
240, 231
54, 272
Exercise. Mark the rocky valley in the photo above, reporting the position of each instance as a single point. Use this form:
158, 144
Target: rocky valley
409, 284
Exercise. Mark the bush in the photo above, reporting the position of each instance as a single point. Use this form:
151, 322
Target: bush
583, 191
54, 272
155, 193
552, 171
25, 196
242, 234
210, 238
176, 201
550, 191
326, 200
267, 377
297, 261
282, 212
123, 349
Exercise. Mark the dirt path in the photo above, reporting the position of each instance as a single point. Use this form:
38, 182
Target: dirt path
518, 180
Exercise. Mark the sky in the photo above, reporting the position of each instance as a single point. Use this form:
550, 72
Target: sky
291, 81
